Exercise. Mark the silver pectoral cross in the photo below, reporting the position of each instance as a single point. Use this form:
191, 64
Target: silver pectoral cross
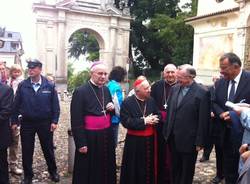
104, 112
165, 106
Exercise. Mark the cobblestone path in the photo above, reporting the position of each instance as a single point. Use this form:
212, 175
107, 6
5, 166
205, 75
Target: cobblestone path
203, 174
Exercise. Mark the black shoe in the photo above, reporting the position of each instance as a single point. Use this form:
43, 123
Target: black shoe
26, 181
204, 159
54, 177
216, 180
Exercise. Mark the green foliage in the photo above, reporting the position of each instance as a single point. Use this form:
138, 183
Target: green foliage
77, 80
70, 70
82, 43
159, 34
174, 38
93, 56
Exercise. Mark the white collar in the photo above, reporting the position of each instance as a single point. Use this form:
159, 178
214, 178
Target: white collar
95, 83
237, 78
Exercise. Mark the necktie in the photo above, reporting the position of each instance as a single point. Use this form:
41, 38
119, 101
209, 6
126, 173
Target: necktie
180, 97
232, 91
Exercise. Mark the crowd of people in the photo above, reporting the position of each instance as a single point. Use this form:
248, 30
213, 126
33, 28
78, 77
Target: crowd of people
167, 124
27, 107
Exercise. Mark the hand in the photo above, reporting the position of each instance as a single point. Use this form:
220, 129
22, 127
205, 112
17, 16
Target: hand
53, 127
198, 148
110, 106
151, 119
83, 149
245, 156
14, 126
225, 116
212, 115
243, 148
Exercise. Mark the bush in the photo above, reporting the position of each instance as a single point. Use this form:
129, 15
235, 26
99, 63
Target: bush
77, 80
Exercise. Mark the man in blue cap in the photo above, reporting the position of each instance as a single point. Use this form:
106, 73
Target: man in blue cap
37, 102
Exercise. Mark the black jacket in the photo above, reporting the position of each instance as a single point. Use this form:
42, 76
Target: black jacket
6, 99
189, 121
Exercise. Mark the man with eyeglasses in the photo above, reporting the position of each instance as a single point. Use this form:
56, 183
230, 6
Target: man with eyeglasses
91, 110
37, 102
234, 87
186, 127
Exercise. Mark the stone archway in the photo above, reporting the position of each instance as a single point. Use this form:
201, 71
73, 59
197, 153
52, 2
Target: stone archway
85, 34
96, 34
56, 23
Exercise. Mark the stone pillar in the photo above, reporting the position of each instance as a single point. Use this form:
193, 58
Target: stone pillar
113, 40
61, 57
50, 49
125, 48
41, 42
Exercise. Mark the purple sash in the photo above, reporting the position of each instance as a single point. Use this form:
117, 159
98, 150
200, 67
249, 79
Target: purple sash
97, 122
164, 115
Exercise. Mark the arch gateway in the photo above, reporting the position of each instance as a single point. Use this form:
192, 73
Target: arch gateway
55, 23
220, 26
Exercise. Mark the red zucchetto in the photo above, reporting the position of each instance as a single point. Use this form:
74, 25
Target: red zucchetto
138, 82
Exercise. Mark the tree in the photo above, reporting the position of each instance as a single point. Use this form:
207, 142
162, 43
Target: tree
174, 39
82, 43
70, 70
159, 34
77, 80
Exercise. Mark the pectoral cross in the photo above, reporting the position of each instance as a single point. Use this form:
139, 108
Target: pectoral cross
104, 112
165, 106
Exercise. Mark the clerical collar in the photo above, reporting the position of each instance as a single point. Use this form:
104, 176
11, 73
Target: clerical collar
170, 84
39, 82
139, 98
92, 82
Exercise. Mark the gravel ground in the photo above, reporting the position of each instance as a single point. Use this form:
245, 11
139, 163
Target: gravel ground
203, 174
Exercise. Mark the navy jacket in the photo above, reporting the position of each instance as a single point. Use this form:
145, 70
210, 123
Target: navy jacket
36, 106
242, 93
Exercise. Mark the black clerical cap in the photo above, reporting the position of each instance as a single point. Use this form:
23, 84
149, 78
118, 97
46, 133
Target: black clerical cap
34, 63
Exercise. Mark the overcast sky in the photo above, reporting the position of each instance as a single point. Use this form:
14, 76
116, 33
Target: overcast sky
17, 15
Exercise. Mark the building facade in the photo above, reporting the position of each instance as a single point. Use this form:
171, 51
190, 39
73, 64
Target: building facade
11, 48
55, 23
220, 26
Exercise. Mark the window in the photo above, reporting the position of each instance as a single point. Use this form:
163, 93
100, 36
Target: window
14, 45
1, 43
9, 35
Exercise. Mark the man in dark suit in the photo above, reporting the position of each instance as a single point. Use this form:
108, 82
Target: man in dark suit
6, 98
234, 86
187, 123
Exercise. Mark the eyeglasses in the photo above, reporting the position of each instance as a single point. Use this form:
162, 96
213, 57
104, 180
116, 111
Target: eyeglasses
101, 73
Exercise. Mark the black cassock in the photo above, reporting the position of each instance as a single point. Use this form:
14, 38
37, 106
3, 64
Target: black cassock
98, 165
160, 91
139, 156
